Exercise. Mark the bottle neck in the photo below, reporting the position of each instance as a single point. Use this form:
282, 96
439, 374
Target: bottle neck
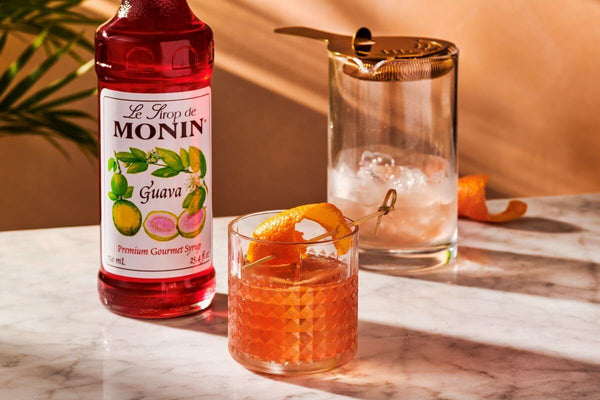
153, 8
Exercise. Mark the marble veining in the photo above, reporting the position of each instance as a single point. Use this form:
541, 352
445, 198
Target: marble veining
516, 317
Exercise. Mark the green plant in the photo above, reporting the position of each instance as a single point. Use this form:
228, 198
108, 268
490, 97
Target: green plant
44, 111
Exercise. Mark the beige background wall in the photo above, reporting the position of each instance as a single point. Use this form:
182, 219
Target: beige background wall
529, 94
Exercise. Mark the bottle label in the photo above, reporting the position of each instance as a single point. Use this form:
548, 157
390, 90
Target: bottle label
156, 206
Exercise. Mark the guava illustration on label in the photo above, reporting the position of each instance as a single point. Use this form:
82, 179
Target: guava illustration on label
156, 149
190, 225
161, 225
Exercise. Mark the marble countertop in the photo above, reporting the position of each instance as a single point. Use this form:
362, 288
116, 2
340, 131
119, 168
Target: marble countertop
516, 317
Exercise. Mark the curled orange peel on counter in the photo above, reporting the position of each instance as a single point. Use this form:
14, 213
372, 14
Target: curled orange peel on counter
471, 202
282, 228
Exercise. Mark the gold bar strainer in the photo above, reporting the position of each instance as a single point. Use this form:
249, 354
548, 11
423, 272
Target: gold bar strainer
384, 58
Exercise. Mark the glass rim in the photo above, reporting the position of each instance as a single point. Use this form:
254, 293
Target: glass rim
230, 231
450, 52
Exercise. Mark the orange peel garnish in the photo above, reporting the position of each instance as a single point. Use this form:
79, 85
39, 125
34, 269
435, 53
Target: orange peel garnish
471, 202
282, 228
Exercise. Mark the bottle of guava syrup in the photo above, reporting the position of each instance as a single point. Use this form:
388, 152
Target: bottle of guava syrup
154, 62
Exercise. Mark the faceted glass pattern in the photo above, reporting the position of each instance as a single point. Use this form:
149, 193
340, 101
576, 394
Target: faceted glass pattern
295, 318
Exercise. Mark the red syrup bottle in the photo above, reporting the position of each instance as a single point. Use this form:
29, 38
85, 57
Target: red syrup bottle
154, 62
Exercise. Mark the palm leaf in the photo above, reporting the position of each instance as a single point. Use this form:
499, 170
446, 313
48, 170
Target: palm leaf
64, 33
66, 99
35, 114
55, 86
16, 66
3, 39
73, 114
57, 33
20, 88
35, 16
6, 130
53, 125
50, 139
57, 45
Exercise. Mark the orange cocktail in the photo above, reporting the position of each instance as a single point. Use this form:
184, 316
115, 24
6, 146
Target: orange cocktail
297, 312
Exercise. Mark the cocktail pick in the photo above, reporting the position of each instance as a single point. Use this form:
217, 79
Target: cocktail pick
390, 197
388, 205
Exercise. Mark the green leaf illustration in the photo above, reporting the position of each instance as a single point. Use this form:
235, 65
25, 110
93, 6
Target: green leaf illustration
118, 184
126, 157
197, 201
112, 196
202, 193
139, 154
128, 193
165, 172
197, 160
112, 164
136, 167
193, 207
194, 154
170, 158
185, 158
188, 199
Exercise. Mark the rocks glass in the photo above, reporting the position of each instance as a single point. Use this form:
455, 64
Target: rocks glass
293, 318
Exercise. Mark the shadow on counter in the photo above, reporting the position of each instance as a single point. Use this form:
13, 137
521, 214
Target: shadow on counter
561, 276
506, 271
212, 320
542, 225
394, 362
